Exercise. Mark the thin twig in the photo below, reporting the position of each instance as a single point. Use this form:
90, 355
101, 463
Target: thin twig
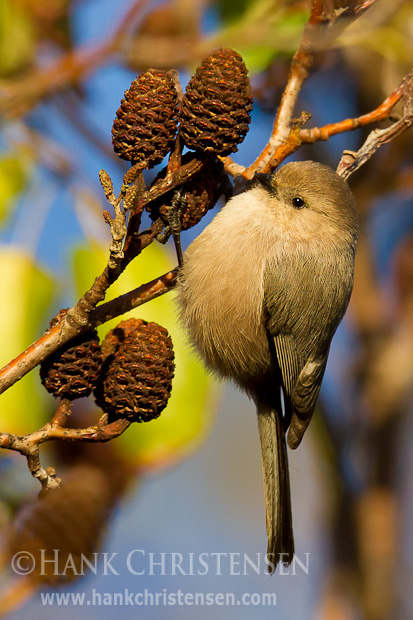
323, 26
351, 161
309, 136
50, 431
28, 445
133, 299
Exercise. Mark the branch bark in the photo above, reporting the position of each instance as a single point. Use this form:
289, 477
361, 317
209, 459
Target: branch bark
351, 161
309, 136
28, 445
325, 23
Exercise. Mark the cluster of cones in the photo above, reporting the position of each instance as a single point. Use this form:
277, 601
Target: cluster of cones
211, 119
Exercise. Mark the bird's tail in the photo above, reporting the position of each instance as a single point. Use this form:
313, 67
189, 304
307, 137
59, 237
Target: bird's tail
276, 489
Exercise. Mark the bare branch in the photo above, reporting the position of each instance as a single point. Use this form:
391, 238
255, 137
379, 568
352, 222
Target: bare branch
28, 445
351, 161
59, 334
309, 136
135, 298
325, 23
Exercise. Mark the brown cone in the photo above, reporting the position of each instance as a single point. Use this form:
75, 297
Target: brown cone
138, 371
200, 193
73, 370
215, 111
145, 125
61, 531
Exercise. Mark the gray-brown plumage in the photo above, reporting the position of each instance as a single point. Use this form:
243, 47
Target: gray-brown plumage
262, 291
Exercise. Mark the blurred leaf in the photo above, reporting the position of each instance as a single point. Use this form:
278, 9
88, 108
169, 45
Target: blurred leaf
12, 182
16, 38
231, 9
264, 31
386, 41
26, 293
186, 419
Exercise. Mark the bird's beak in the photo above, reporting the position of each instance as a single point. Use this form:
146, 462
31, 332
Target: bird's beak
265, 180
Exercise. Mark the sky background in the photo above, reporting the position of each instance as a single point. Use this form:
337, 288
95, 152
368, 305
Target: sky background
213, 501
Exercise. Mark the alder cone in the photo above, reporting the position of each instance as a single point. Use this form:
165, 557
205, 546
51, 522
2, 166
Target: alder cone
70, 519
215, 111
145, 126
138, 371
73, 370
114, 338
200, 193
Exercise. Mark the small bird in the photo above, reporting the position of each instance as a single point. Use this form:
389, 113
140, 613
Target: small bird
261, 293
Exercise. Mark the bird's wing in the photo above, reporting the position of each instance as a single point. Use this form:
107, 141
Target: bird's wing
304, 397
289, 366
301, 382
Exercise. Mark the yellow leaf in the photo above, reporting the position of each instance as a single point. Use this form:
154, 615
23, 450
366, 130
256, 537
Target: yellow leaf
17, 38
26, 292
186, 419
12, 181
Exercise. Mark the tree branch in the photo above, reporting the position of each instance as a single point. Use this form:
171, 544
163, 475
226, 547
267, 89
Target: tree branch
28, 445
61, 333
325, 23
309, 136
351, 161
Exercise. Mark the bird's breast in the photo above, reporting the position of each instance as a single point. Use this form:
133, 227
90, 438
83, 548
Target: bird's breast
221, 292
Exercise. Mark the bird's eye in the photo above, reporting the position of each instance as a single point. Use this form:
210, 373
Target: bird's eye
298, 203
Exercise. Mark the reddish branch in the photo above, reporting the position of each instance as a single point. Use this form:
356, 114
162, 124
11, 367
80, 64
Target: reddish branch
324, 25
28, 445
62, 333
309, 136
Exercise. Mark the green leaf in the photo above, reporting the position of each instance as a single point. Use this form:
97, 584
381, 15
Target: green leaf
230, 10
26, 292
187, 418
385, 41
265, 30
17, 38
13, 179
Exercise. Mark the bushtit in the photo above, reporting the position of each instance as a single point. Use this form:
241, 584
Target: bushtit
261, 293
